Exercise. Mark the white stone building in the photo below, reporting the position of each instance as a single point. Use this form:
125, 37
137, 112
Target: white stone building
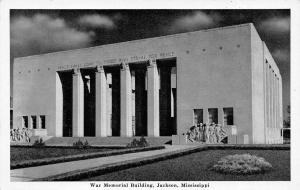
153, 87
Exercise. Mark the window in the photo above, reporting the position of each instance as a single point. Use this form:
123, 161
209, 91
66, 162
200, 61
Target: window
228, 116
213, 115
25, 122
11, 118
198, 116
43, 122
33, 121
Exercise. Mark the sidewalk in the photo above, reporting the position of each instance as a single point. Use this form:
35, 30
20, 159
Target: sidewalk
33, 173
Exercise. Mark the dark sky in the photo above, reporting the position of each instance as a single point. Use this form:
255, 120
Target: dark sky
42, 31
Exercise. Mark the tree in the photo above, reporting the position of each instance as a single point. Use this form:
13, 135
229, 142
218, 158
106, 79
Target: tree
287, 121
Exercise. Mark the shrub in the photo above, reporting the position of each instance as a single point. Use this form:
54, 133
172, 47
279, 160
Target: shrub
242, 164
81, 144
138, 143
39, 142
86, 143
143, 142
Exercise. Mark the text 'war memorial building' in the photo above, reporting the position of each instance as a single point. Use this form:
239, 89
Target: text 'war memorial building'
153, 87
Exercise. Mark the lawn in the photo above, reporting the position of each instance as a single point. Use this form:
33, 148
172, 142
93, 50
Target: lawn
194, 167
18, 154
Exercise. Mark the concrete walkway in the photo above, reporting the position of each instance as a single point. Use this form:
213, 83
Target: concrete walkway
32, 173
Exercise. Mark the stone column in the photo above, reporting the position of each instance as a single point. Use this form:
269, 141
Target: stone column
269, 138
126, 111
221, 116
101, 115
271, 97
268, 98
30, 126
205, 116
277, 111
58, 132
276, 103
265, 100
109, 104
152, 99
280, 103
273, 101
38, 122
78, 104
280, 107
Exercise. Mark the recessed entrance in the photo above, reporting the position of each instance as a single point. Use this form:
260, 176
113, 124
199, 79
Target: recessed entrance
67, 99
167, 96
76, 100
88, 77
113, 100
139, 98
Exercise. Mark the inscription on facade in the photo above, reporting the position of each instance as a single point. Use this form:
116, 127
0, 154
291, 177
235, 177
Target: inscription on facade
74, 66
135, 58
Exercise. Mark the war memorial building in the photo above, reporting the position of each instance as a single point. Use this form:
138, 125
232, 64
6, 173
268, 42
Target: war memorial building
153, 87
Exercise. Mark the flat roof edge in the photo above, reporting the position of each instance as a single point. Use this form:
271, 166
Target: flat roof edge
134, 41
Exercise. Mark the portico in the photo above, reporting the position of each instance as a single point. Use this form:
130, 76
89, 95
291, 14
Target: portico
126, 99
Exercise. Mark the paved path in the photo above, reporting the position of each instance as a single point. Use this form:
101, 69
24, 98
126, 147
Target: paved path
32, 173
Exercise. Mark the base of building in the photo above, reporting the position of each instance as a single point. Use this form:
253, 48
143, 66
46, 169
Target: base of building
98, 141
231, 139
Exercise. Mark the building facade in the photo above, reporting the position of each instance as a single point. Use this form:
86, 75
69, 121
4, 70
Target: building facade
153, 87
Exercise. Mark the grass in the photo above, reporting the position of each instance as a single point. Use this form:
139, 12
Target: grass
18, 154
195, 167
67, 155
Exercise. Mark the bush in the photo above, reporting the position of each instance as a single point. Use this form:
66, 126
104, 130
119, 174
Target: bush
39, 142
81, 144
143, 142
138, 143
242, 164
